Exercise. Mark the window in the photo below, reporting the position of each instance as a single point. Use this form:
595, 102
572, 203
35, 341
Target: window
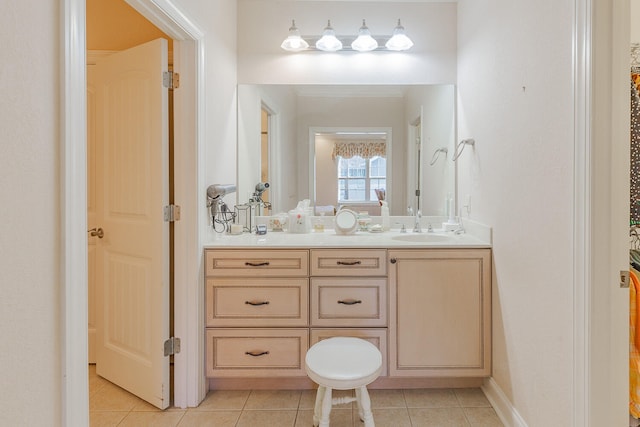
358, 178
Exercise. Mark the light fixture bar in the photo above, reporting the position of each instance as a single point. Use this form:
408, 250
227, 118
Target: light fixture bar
363, 42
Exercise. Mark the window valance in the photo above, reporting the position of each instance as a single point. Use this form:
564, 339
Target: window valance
363, 148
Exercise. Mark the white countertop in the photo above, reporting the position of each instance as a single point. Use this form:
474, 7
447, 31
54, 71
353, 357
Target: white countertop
476, 236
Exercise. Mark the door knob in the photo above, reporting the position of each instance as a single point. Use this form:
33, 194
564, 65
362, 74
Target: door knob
96, 232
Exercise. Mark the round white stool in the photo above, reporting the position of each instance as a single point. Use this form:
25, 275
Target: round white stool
343, 363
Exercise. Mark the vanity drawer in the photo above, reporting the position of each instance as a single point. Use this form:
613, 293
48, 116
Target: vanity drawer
377, 337
349, 262
256, 352
257, 302
256, 263
349, 301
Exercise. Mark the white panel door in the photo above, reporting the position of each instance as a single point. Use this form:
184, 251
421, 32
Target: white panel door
132, 261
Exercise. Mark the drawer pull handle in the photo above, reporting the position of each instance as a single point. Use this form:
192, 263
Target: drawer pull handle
256, 353
256, 264
256, 303
349, 262
350, 301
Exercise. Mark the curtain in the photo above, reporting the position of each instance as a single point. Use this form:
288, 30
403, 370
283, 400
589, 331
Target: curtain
634, 193
363, 148
634, 232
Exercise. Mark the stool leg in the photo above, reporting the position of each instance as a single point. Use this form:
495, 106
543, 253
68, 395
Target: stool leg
317, 410
326, 407
364, 406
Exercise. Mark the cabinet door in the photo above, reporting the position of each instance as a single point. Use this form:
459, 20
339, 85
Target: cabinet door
440, 313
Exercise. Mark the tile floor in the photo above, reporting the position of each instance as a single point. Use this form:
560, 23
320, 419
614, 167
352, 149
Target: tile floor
112, 406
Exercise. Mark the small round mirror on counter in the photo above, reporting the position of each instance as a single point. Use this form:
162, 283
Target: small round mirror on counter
346, 222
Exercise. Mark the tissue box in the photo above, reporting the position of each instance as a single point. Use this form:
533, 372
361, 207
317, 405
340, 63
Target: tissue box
299, 222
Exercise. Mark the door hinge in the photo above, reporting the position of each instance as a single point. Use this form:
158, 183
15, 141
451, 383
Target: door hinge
171, 80
624, 278
172, 346
172, 213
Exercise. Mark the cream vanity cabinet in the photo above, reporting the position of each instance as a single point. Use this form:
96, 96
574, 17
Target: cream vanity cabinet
257, 312
440, 313
427, 310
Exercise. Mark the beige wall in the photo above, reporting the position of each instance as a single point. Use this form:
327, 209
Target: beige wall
30, 238
516, 100
114, 25
526, 198
30, 307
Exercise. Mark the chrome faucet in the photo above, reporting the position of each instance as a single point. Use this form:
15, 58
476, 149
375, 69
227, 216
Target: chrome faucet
417, 228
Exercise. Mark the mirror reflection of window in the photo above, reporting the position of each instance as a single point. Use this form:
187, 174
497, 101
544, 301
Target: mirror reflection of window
358, 178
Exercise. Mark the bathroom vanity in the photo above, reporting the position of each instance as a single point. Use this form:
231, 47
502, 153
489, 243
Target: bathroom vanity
423, 300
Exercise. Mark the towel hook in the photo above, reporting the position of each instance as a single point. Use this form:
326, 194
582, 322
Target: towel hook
436, 155
463, 143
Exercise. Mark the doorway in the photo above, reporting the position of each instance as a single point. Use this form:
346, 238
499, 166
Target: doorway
189, 384
129, 182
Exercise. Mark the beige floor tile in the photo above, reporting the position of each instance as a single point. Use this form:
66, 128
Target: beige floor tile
209, 418
144, 406
110, 397
483, 417
471, 397
430, 398
267, 419
307, 399
438, 417
152, 419
390, 417
224, 399
273, 399
96, 382
338, 418
387, 399
106, 418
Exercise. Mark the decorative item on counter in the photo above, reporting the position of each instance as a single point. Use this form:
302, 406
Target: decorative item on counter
236, 229
384, 213
299, 218
346, 221
318, 224
278, 222
451, 224
243, 216
364, 220
376, 228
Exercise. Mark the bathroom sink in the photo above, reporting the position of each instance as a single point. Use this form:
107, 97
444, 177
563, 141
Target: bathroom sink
423, 237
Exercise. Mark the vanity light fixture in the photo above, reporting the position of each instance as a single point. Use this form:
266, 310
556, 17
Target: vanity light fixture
399, 41
329, 42
294, 43
364, 42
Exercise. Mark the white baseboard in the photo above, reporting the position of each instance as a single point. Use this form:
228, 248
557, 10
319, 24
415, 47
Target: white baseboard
501, 404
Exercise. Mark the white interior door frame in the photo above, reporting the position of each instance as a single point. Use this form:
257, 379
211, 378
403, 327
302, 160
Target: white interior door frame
601, 48
189, 385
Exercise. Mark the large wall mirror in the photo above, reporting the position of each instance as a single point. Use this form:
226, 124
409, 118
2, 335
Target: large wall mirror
336, 145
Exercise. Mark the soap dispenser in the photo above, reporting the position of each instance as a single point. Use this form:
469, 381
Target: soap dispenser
384, 213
